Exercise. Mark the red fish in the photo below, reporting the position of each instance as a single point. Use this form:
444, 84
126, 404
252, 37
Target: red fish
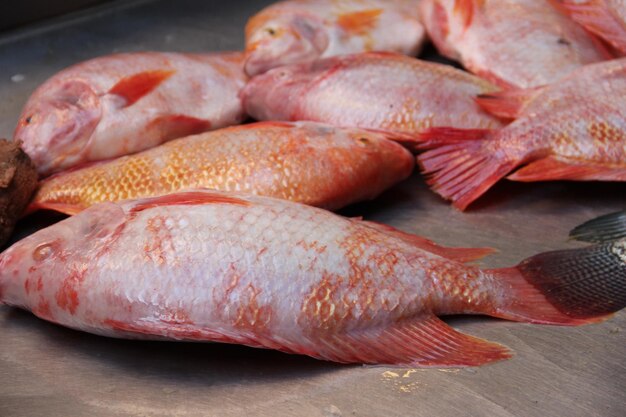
513, 43
605, 18
382, 91
574, 129
124, 103
235, 268
298, 31
312, 163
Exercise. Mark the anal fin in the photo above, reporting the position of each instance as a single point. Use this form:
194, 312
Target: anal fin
424, 342
553, 168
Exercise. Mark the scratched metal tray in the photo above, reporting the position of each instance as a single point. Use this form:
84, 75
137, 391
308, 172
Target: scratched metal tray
47, 370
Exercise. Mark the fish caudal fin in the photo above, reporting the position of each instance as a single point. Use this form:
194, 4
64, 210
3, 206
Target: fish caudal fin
566, 287
456, 254
424, 341
459, 166
596, 17
605, 228
507, 104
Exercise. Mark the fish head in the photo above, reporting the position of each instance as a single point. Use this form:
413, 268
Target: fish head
48, 256
57, 124
277, 94
276, 39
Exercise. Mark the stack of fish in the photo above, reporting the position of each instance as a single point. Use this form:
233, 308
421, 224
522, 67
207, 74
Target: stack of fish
186, 227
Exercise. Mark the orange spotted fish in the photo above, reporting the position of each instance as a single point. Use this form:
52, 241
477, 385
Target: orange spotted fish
269, 273
120, 104
574, 129
312, 163
297, 31
513, 43
372, 90
605, 18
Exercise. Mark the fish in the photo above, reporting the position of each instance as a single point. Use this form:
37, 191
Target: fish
604, 18
119, 104
374, 90
606, 228
573, 129
512, 43
298, 31
270, 273
309, 162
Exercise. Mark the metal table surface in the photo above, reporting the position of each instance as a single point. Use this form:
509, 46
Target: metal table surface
47, 370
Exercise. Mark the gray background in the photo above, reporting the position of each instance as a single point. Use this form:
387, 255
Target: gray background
47, 370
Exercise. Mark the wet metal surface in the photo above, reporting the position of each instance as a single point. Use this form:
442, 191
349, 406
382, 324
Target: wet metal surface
47, 370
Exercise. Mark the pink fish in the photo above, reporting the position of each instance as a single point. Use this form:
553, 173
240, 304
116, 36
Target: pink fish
573, 129
211, 266
605, 18
513, 43
382, 91
120, 104
298, 31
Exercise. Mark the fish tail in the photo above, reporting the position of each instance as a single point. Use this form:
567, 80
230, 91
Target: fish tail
566, 287
459, 166
605, 228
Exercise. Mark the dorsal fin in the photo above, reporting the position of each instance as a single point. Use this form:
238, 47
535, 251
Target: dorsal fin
189, 198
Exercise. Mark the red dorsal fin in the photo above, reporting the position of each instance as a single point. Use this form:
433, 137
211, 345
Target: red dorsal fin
134, 87
507, 104
423, 341
359, 23
552, 168
457, 254
189, 198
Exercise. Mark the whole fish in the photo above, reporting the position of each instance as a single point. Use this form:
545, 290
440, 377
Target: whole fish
235, 268
513, 43
123, 103
573, 129
605, 18
297, 31
308, 162
373, 90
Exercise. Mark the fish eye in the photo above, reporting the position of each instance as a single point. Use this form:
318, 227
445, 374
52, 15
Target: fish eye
364, 141
45, 250
271, 31
28, 119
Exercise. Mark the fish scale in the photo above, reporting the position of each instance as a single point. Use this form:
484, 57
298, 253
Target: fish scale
372, 90
309, 162
264, 272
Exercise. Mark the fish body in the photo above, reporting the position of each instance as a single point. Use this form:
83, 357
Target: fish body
264, 272
308, 162
513, 43
124, 103
574, 129
382, 91
298, 31
604, 18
